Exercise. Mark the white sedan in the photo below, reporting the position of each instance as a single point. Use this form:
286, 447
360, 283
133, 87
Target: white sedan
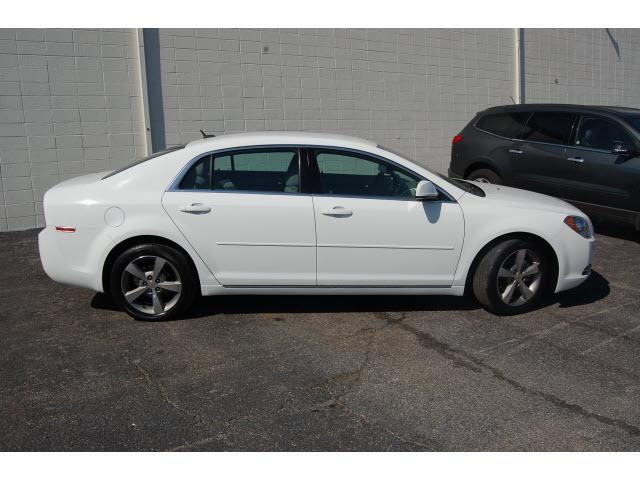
296, 213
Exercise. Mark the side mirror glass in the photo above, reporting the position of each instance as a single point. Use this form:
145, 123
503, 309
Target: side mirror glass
425, 190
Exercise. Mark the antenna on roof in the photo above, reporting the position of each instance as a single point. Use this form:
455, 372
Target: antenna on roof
206, 135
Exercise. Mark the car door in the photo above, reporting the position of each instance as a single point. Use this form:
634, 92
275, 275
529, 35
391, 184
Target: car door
538, 158
372, 232
244, 213
594, 172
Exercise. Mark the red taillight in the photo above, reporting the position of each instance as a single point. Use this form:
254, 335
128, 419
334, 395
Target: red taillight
456, 139
66, 229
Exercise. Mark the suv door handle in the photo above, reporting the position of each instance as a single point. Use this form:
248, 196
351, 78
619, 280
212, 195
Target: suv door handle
195, 208
337, 211
575, 159
517, 151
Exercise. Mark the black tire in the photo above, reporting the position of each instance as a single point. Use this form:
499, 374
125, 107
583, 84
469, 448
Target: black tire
485, 175
177, 270
487, 284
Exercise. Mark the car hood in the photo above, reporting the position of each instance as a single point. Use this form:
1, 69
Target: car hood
518, 198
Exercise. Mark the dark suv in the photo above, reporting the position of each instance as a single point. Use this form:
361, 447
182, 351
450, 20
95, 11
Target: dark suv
589, 156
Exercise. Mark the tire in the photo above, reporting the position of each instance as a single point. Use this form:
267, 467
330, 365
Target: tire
153, 295
484, 175
499, 269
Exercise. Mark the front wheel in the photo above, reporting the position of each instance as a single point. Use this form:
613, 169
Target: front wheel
512, 277
153, 282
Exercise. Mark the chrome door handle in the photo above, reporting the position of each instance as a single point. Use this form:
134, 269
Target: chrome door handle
337, 211
575, 159
195, 208
517, 151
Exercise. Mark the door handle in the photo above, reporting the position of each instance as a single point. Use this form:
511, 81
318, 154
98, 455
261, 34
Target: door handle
195, 208
575, 159
337, 211
517, 151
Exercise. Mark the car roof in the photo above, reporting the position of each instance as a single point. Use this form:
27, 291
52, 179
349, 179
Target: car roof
232, 140
562, 106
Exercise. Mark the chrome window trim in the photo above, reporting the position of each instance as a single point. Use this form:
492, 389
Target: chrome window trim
173, 186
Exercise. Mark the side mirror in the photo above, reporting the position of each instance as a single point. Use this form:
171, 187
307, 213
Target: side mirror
620, 148
425, 190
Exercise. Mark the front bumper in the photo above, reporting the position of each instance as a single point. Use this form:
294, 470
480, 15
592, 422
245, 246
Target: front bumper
574, 264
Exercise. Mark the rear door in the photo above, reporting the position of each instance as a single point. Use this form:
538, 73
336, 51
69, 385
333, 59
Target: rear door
245, 214
538, 159
594, 173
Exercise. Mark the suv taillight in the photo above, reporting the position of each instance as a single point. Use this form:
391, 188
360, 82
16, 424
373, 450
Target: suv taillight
456, 139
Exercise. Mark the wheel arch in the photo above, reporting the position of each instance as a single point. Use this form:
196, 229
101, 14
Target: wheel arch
519, 235
138, 240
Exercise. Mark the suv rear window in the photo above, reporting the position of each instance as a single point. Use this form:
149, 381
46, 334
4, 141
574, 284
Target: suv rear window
549, 127
507, 125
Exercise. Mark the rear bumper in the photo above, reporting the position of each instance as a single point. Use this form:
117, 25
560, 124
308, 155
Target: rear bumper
65, 258
452, 174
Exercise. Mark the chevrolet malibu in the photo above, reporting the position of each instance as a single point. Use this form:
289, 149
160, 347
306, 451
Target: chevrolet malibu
297, 213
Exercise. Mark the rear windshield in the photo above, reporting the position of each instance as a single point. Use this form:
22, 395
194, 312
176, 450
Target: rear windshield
142, 160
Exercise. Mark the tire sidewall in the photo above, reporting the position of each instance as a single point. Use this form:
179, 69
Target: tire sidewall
490, 175
187, 276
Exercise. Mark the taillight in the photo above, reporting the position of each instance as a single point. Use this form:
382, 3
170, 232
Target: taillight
456, 139
66, 229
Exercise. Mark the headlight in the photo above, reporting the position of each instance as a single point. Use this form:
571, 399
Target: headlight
579, 225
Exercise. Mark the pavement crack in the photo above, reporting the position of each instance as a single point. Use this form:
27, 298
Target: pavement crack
463, 358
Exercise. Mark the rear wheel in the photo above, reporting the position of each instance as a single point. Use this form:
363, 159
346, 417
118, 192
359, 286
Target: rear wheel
484, 175
153, 282
512, 277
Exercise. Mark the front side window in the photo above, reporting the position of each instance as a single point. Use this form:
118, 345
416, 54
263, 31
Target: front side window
268, 170
343, 173
601, 134
508, 125
549, 127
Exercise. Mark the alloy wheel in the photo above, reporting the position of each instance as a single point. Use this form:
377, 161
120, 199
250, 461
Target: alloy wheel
519, 277
151, 284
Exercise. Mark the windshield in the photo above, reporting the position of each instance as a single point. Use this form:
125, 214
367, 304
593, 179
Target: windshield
462, 184
142, 160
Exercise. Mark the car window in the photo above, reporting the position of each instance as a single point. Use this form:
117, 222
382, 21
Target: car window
548, 127
509, 124
601, 134
272, 170
343, 173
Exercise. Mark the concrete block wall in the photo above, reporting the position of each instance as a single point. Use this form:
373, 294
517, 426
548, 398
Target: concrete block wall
70, 104
411, 90
72, 101
585, 66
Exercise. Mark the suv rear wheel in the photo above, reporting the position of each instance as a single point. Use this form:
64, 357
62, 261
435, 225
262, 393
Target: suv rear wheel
484, 175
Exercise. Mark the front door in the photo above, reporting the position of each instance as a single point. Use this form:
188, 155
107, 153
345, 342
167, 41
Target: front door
372, 232
244, 214
594, 173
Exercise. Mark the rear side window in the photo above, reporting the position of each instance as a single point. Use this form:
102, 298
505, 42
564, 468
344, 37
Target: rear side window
549, 127
269, 170
507, 125
601, 134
